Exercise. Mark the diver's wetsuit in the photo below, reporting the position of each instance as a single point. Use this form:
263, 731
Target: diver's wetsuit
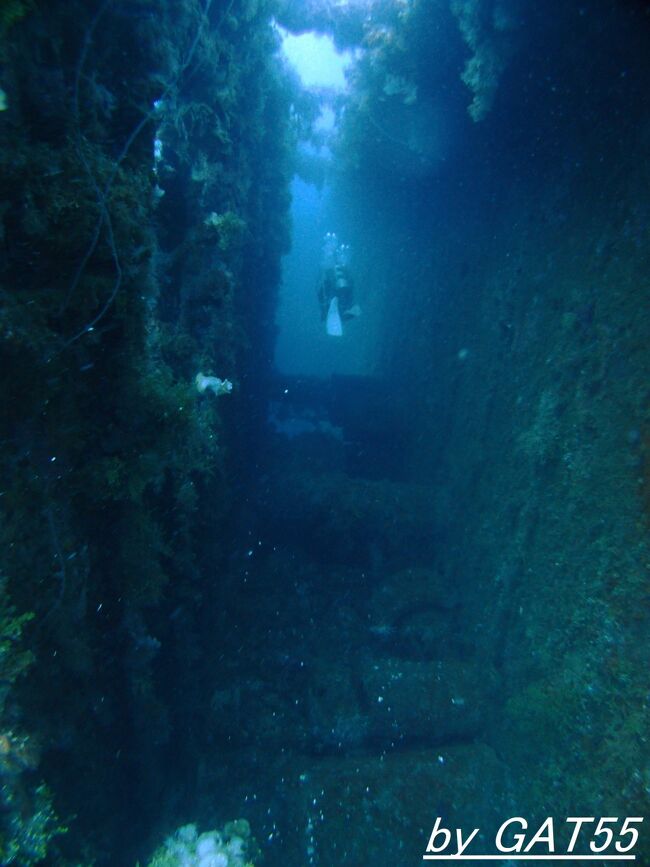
336, 283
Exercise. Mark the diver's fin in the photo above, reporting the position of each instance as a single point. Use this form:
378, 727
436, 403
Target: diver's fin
353, 312
334, 324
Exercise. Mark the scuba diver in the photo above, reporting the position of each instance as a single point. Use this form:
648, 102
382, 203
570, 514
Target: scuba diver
336, 289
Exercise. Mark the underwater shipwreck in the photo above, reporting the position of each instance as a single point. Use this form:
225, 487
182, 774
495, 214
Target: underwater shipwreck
325, 432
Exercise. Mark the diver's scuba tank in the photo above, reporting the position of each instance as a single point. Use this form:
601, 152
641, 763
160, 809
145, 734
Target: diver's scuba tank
341, 277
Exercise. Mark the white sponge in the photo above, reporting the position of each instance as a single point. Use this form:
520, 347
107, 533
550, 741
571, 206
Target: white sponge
218, 386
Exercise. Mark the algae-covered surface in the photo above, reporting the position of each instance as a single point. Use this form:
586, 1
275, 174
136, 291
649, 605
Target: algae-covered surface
274, 591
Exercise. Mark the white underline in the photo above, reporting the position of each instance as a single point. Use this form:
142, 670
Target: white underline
512, 857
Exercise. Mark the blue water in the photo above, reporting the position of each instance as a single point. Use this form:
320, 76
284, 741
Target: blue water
273, 595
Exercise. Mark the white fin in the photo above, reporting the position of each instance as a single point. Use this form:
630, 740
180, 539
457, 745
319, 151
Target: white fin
334, 324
